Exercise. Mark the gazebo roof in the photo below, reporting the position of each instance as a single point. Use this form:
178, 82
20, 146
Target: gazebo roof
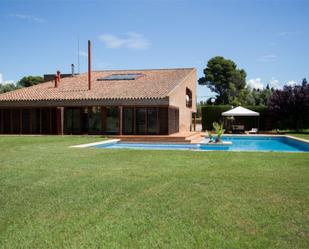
240, 111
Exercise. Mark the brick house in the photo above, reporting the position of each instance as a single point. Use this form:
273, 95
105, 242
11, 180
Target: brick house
121, 102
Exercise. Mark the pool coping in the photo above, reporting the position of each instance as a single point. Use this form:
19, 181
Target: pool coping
297, 138
113, 141
105, 142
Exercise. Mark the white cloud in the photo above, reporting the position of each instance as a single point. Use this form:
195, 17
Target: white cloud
137, 41
267, 57
255, 83
133, 40
274, 83
28, 17
291, 83
3, 82
112, 41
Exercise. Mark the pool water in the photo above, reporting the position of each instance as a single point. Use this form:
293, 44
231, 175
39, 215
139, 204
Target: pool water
264, 143
239, 143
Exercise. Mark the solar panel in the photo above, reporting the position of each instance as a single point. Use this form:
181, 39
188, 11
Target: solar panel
130, 76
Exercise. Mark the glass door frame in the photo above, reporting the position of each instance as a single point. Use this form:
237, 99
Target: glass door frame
116, 132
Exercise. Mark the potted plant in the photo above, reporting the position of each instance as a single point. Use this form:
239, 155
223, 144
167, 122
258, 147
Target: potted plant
219, 130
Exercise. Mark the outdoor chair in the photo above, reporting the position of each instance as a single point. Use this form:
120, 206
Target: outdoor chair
253, 131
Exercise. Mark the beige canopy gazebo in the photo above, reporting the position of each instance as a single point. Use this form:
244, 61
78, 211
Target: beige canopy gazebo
240, 111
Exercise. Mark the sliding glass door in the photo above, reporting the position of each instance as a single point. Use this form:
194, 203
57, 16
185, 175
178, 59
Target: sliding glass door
147, 121
94, 120
112, 120
141, 120
72, 120
152, 121
128, 120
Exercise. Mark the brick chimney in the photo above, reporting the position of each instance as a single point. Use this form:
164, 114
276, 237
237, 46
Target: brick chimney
57, 79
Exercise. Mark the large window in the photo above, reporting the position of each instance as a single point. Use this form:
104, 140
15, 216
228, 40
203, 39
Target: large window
73, 120
141, 120
147, 121
25, 121
29, 121
35, 121
16, 121
128, 120
7, 121
112, 120
94, 120
152, 121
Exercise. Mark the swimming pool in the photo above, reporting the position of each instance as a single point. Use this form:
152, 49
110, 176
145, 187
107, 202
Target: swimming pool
239, 143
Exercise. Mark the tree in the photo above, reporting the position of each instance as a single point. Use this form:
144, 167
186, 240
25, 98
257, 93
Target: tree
245, 97
8, 87
24, 82
30, 81
261, 96
223, 78
292, 104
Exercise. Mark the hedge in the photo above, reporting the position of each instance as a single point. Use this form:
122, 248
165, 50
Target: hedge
267, 122
212, 114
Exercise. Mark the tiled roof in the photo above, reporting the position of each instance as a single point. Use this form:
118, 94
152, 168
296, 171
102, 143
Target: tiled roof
154, 84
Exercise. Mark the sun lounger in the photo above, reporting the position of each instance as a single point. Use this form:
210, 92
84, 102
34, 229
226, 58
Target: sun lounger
253, 131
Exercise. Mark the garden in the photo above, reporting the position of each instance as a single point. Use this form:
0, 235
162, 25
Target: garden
54, 196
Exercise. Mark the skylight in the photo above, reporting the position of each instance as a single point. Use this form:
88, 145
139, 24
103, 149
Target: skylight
130, 76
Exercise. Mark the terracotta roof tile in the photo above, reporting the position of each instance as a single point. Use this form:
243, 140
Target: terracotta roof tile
155, 83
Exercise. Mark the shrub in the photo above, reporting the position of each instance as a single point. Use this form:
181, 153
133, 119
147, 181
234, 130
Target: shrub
219, 130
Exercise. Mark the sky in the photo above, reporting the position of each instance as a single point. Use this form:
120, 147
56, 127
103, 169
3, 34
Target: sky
267, 38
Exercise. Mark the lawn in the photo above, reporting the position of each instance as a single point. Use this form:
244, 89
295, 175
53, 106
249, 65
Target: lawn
53, 196
300, 135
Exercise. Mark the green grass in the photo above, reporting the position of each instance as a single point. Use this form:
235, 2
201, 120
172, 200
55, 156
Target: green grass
304, 133
52, 196
300, 135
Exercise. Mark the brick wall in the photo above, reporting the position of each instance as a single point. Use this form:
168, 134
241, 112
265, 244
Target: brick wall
178, 99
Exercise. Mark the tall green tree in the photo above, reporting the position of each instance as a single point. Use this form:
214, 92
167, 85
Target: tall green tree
261, 96
224, 78
30, 81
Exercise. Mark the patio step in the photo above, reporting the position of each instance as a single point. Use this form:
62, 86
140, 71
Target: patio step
174, 138
196, 138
